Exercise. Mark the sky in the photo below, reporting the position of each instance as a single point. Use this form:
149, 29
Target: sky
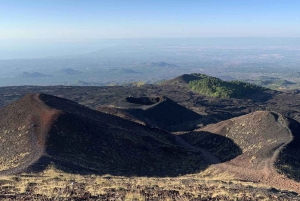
34, 23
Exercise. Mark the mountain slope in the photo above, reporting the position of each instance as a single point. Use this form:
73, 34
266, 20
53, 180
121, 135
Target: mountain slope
288, 162
41, 129
269, 148
24, 125
33, 75
258, 135
69, 71
182, 79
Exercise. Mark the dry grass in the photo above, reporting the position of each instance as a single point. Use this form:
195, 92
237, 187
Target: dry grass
55, 184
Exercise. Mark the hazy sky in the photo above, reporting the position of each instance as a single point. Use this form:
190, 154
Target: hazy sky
80, 21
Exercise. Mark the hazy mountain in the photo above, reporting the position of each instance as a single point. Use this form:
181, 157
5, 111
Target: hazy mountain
34, 75
70, 71
160, 64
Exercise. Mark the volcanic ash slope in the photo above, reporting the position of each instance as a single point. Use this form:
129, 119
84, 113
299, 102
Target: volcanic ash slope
39, 130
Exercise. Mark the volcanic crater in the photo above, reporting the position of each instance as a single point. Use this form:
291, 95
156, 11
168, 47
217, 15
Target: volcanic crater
39, 130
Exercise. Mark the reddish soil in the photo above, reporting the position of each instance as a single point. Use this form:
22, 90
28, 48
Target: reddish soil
44, 129
28, 122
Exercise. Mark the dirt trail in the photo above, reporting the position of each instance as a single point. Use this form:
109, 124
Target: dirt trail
40, 118
273, 179
209, 157
268, 174
269, 168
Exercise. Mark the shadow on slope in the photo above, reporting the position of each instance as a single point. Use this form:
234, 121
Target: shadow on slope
77, 139
181, 80
117, 150
222, 147
159, 111
288, 161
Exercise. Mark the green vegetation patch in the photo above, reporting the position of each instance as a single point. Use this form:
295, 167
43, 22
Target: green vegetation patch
215, 87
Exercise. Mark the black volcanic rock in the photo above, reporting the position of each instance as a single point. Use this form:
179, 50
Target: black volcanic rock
156, 111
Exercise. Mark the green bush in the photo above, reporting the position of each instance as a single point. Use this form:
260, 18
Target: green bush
216, 87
